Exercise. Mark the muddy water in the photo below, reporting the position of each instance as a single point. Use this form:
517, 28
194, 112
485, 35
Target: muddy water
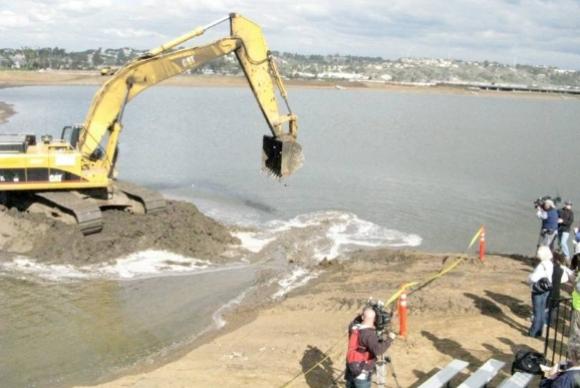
62, 333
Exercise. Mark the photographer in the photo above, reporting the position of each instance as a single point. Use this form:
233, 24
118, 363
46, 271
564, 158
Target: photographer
546, 211
364, 346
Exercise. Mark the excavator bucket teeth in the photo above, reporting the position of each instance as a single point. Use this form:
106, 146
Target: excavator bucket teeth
281, 157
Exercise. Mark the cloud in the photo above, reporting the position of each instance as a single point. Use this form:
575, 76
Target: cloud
83, 6
9, 19
130, 33
526, 31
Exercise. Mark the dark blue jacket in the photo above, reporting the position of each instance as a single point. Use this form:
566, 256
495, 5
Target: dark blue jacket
551, 223
567, 217
569, 379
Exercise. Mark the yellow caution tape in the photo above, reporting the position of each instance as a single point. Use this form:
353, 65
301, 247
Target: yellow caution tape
475, 237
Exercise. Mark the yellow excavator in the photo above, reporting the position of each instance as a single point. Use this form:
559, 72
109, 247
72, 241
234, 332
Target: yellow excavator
107, 70
74, 177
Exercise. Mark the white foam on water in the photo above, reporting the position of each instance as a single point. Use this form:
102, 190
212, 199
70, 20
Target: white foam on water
325, 235
217, 316
152, 262
26, 266
352, 232
253, 241
137, 265
297, 278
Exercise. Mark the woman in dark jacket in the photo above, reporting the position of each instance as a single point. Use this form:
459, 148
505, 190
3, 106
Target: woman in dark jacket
566, 378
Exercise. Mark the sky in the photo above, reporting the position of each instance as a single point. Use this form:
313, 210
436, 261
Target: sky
539, 32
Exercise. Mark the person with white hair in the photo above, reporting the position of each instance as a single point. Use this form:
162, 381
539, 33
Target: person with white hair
545, 276
548, 213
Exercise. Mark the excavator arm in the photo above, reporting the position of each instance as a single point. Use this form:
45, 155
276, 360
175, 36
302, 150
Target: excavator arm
282, 155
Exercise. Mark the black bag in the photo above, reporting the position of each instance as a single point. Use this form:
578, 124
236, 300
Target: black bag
355, 368
528, 361
541, 286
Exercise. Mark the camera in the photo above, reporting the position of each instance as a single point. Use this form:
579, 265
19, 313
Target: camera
539, 202
382, 316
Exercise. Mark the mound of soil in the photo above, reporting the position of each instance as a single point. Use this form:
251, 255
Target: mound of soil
181, 229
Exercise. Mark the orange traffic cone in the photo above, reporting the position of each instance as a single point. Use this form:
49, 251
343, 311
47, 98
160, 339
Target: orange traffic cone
403, 329
482, 244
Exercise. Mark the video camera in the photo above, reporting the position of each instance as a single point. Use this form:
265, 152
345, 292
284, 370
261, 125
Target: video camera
539, 202
382, 316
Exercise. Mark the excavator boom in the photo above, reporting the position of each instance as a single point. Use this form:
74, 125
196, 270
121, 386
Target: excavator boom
282, 155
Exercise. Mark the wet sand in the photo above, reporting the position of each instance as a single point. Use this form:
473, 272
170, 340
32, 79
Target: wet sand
474, 313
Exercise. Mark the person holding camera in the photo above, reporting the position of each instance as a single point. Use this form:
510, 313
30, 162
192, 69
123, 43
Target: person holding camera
546, 211
565, 221
364, 347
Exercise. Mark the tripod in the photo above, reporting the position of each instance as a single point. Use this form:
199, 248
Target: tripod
381, 367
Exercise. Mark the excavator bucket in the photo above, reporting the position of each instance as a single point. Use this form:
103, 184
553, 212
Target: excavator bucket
281, 157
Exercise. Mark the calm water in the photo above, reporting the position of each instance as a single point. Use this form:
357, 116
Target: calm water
402, 164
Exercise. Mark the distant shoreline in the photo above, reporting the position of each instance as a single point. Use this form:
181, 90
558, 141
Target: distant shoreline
63, 78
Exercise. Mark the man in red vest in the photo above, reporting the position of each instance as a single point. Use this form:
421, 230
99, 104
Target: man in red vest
364, 346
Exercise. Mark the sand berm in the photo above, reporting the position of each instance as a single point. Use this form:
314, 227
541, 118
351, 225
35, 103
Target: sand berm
180, 229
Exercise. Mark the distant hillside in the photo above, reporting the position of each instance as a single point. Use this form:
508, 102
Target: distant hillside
331, 67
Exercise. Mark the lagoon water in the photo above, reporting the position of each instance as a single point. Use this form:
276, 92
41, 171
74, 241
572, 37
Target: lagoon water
420, 170
436, 165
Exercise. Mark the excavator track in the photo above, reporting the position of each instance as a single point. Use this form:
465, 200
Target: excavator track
152, 201
87, 213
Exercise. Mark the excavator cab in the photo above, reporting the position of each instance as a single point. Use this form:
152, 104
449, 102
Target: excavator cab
71, 134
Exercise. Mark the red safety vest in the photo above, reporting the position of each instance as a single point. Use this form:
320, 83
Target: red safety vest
356, 352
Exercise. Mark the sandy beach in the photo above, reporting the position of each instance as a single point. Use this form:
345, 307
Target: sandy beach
64, 77
478, 311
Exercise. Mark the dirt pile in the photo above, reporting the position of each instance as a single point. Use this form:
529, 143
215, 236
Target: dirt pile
181, 229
